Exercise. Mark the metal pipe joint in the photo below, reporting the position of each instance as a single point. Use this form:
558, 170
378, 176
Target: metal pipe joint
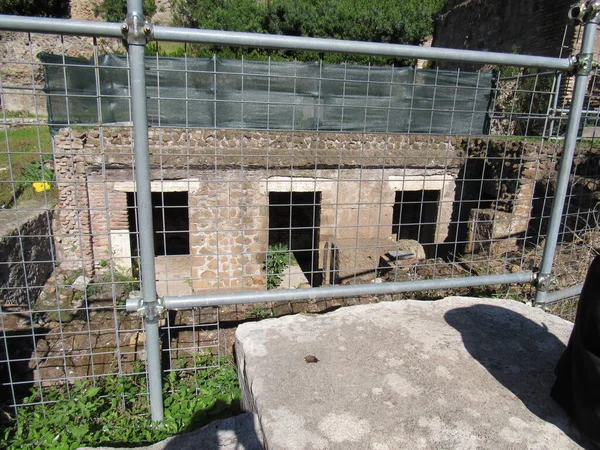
151, 311
584, 11
545, 282
136, 29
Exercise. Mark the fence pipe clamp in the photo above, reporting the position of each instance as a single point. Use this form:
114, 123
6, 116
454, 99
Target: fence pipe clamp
136, 29
584, 11
582, 64
151, 311
545, 282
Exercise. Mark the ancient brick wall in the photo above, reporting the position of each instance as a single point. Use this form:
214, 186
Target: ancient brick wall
73, 237
228, 175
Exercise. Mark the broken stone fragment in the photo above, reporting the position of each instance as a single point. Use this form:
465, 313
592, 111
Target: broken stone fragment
81, 282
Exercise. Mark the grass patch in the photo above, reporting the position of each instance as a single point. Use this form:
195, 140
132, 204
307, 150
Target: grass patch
23, 150
114, 410
169, 49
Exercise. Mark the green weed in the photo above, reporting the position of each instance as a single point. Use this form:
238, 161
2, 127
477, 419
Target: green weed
23, 149
278, 258
260, 311
114, 409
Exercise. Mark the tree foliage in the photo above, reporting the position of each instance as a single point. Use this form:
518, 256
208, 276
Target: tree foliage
38, 8
116, 10
387, 21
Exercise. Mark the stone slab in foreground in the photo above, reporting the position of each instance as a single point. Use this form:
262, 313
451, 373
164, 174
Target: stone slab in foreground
458, 373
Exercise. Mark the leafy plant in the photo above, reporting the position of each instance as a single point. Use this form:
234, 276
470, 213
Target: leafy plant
278, 258
105, 280
116, 10
260, 311
22, 152
114, 409
40, 8
34, 172
407, 22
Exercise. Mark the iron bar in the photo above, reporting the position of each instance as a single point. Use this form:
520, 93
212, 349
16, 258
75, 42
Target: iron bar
63, 26
236, 298
579, 92
146, 231
275, 42
279, 42
547, 298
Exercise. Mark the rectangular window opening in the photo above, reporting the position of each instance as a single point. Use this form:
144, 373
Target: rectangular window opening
294, 220
415, 217
170, 219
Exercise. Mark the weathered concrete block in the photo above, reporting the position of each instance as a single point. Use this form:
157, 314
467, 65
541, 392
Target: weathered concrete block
455, 373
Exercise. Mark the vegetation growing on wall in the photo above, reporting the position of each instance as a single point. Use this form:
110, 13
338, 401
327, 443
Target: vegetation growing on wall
387, 21
38, 8
116, 10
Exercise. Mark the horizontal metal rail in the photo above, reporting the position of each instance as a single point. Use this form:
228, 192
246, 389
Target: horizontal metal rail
60, 26
587, 112
238, 298
255, 40
278, 42
552, 297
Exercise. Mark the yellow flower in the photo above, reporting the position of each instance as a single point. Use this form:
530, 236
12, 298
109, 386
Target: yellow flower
41, 186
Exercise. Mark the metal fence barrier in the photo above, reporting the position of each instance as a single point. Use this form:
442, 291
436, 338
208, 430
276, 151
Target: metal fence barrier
198, 226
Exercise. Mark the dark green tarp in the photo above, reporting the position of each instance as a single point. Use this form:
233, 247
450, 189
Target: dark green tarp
215, 93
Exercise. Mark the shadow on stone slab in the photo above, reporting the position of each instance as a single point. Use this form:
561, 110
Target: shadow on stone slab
520, 354
235, 433
240, 432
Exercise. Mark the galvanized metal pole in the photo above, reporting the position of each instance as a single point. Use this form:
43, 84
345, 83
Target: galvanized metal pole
583, 69
135, 29
258, 40
290, 295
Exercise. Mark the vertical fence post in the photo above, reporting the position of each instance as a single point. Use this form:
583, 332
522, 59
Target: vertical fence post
136, 30
583, 67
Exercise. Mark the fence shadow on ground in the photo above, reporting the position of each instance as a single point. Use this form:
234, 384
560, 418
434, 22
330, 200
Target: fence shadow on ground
520, 354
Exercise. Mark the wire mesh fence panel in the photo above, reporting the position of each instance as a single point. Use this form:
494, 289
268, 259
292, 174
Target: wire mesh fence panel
68, 239
264, 176
579, 239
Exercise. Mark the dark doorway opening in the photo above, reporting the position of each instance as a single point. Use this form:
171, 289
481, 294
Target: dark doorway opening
415, 217
170, 219
294, 220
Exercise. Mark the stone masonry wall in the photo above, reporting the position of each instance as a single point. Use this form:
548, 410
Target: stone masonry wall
73, 237
26, 254
83, 9
228, 175
21, 71
510, 172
